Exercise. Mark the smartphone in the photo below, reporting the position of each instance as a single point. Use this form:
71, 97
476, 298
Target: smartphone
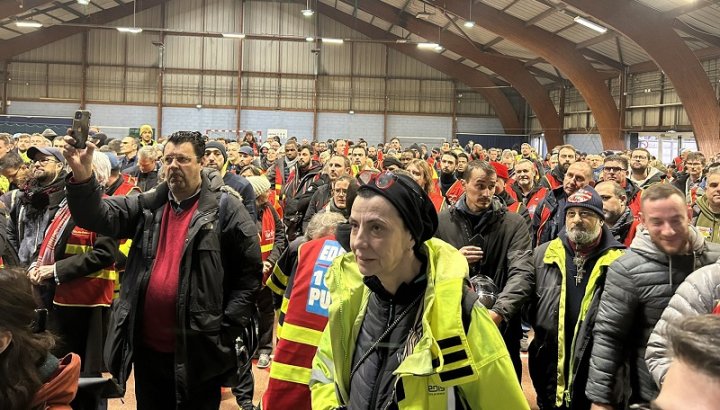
81, 126
478, 240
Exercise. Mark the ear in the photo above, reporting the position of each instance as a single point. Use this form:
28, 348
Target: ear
5, 340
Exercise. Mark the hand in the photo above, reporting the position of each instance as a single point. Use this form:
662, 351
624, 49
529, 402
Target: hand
601, 406
472, 253
496, 318
79, 160
267, 267
39, 274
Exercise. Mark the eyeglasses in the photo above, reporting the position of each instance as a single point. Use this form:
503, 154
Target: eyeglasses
385, 180
614, 169
44, 161
340, 192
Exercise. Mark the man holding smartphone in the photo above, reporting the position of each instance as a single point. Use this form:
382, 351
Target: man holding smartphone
495, 242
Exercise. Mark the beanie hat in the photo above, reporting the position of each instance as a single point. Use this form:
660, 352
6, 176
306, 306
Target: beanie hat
501, 170
218, 146
260, 184
388, 161
146, 127
115, 163
588, 198
413, 204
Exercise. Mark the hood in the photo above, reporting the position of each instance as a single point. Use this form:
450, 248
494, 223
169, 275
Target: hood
558, 173
642, 244
704, 206
60, 389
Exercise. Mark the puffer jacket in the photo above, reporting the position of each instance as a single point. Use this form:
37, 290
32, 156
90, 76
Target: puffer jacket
548, 306
698, 295
639, 286
454, 358
705, 220
220, 275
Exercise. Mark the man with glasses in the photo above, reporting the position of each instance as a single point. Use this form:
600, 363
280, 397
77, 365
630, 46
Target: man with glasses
190, 282
692, 182
616, 169
643, 175
129, 149
32, 214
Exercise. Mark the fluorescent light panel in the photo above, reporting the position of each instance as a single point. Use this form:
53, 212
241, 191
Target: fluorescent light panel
83, 2
332, 40
428, 46
131, 30
28, 23
308, 12
233, 35
469, 24
591, 25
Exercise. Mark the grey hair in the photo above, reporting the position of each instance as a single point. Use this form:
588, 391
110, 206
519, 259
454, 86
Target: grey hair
323, 223
101, 167
147, 152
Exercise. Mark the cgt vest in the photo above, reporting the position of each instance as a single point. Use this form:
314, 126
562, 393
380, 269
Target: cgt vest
267, 233
303, 316
95, 289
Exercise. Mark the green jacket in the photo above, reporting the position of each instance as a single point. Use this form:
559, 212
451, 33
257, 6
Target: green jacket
707, 222
445, 357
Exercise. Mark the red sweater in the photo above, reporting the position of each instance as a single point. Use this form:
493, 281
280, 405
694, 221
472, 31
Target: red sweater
160, 309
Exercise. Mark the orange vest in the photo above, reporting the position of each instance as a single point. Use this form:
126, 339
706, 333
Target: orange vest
267, 233
454, 193
95, 289
303, 316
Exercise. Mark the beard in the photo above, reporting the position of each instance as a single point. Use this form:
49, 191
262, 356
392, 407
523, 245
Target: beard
582, 237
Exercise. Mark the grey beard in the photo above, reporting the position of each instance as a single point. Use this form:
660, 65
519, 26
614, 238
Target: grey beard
584, 237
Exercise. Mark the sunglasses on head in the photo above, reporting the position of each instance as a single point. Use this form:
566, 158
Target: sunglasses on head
385, 180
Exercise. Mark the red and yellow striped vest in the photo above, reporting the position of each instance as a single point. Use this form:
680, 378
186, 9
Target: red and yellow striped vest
303, 316
267, 233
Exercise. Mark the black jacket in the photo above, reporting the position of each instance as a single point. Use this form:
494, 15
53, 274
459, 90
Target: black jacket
145, 180
242, 186
219, 276
320, 198
505, 241
638, 288
545, 308
548, 220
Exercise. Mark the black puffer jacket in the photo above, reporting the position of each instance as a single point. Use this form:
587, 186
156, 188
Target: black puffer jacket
639, 286
220, 275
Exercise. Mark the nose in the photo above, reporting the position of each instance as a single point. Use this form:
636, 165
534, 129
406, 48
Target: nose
667, 230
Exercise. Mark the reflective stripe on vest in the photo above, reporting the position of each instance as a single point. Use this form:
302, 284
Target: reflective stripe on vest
94, 289
267, 233
304, 315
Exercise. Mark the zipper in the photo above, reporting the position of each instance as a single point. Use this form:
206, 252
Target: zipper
383, 357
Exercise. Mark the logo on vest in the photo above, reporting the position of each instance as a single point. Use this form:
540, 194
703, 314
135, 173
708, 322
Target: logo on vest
318, 301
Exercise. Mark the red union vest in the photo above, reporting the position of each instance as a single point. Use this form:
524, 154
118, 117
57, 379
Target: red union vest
95, 289
303, 316
267, 233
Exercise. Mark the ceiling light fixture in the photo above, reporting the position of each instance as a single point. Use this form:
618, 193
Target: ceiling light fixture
131, 30
134, 29
309, 39
307, 11
430, 46
83, 2
332, 40
591, 25
233, 35
28, 23
470, 23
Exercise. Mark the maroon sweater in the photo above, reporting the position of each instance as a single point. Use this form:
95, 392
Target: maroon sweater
160, 309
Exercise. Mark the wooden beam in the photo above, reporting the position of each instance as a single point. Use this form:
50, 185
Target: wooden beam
557, 51
542, 16
69, 9
10, 8
610, 35
472, 78
649, 28
507, 67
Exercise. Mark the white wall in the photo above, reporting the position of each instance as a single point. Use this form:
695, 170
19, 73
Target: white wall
479, 125
590, 143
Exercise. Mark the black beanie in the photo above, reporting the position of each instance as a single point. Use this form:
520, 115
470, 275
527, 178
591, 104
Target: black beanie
390, 160
413, 204
218, 146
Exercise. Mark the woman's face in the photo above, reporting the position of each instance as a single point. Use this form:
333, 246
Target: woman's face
378, 237
417, 174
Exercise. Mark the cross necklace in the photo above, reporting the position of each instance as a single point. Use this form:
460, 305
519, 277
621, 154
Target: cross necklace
579, 261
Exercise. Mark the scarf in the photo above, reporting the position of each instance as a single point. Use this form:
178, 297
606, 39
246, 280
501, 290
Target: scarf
37, 199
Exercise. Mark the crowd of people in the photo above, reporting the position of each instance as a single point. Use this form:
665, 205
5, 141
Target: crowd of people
364, 276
